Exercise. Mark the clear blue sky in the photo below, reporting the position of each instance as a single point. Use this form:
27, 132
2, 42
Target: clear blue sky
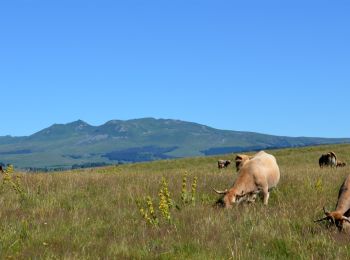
277, 67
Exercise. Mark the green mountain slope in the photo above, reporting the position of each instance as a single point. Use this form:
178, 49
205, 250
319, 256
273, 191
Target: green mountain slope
77, 143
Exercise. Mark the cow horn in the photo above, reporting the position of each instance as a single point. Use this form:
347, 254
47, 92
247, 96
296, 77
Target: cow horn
220, 192
346, 219
325, 218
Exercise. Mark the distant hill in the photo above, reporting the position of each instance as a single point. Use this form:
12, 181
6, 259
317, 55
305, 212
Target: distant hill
80, 144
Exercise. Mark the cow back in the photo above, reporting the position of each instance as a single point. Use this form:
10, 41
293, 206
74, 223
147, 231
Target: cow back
343, 204
264, 168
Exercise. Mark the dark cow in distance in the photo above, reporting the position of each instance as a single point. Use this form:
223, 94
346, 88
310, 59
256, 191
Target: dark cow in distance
341, 164
223, 163
328, 159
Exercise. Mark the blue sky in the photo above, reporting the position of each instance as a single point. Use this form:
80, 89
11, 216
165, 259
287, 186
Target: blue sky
277, 67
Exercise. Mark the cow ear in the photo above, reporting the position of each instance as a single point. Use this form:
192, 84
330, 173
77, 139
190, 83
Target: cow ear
326, 212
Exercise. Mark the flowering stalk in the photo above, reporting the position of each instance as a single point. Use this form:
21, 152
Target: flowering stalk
193, 190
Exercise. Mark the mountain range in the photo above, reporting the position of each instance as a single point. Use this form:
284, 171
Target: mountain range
79, 144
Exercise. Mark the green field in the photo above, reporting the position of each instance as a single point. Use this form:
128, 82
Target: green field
93, 214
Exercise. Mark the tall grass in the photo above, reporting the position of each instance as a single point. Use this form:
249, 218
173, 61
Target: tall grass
93, 214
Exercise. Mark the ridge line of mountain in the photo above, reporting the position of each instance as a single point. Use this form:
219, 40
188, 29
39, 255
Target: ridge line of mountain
135, 140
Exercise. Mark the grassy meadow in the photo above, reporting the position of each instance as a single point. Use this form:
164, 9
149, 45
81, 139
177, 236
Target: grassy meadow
93, 214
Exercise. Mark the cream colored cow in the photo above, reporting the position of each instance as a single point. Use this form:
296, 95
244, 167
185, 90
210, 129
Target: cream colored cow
256, 175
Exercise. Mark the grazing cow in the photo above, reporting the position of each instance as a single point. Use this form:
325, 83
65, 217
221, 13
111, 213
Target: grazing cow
241, 159
1, 170
223, 163
328, 159
341, 164
342, 210
257, 175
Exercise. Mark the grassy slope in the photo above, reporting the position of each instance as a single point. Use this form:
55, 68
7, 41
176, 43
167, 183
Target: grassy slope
92, 214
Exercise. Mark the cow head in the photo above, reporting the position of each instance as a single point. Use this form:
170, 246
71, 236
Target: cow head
241, 159
230, 197
335, 218
227, 200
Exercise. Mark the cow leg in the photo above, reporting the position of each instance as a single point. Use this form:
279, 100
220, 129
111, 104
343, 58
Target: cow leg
266, 194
